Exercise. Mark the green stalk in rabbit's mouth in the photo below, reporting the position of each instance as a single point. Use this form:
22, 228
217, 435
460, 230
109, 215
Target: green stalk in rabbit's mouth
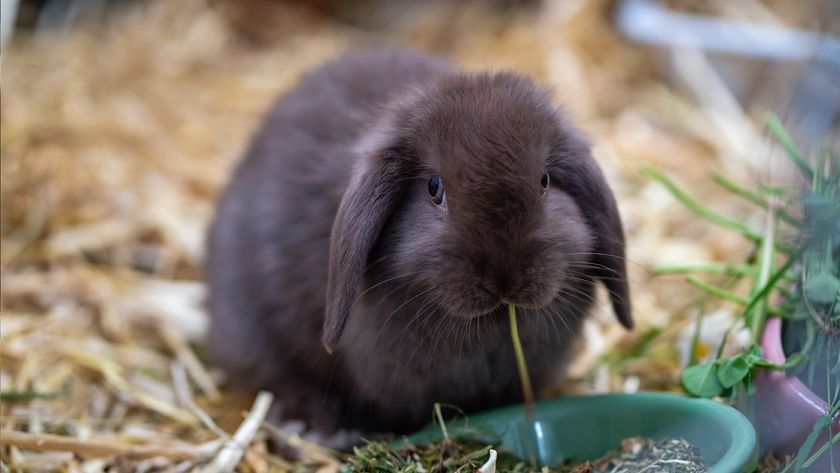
524, 378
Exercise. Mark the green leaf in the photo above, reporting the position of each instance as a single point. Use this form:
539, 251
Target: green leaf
702, 380
754, 350
754, 357
822, 423
829, 444
821, 287
733, 370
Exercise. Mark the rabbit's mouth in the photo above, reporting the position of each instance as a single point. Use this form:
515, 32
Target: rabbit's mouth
481, 302
470, 309
494, 308
474, 313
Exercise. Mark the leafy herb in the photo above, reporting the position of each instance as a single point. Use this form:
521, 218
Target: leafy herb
811, 265
702, 380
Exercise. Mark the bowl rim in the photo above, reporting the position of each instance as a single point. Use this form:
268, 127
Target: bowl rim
739, 457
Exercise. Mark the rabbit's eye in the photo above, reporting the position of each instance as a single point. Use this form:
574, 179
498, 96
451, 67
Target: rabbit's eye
437, 192
544, 181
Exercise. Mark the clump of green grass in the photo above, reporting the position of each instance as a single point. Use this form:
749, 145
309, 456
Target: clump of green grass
804, 289
464, 454
446, 455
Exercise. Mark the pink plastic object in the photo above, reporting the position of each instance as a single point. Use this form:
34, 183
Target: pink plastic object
785, 409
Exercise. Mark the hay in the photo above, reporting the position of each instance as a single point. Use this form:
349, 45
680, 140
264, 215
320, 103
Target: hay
117, 136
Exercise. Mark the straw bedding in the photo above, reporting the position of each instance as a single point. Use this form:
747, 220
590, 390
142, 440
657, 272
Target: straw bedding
117, 136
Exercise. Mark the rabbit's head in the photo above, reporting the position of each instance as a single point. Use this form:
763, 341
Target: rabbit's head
479, 192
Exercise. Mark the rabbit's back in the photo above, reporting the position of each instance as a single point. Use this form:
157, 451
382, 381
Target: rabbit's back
269, 242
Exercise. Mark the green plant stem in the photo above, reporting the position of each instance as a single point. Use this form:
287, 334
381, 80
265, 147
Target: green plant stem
753, 197
716, 291
723, 293
16, 396
766, 261
829, 444
695, 337
524, 377
708, 267
739, 190
778, 130
442, 424
725, 339
810, 337
710, 215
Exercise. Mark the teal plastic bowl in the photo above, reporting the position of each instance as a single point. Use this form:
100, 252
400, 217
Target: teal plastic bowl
586, 427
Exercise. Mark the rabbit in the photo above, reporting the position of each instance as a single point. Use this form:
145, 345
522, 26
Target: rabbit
362, 258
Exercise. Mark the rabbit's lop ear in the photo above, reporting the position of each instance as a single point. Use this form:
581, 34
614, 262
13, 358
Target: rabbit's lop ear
580, 176
369, 200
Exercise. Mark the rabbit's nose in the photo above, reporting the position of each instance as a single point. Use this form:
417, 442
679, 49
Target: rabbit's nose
501, 284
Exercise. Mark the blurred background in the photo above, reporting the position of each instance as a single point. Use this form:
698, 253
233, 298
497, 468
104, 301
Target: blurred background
121, 121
